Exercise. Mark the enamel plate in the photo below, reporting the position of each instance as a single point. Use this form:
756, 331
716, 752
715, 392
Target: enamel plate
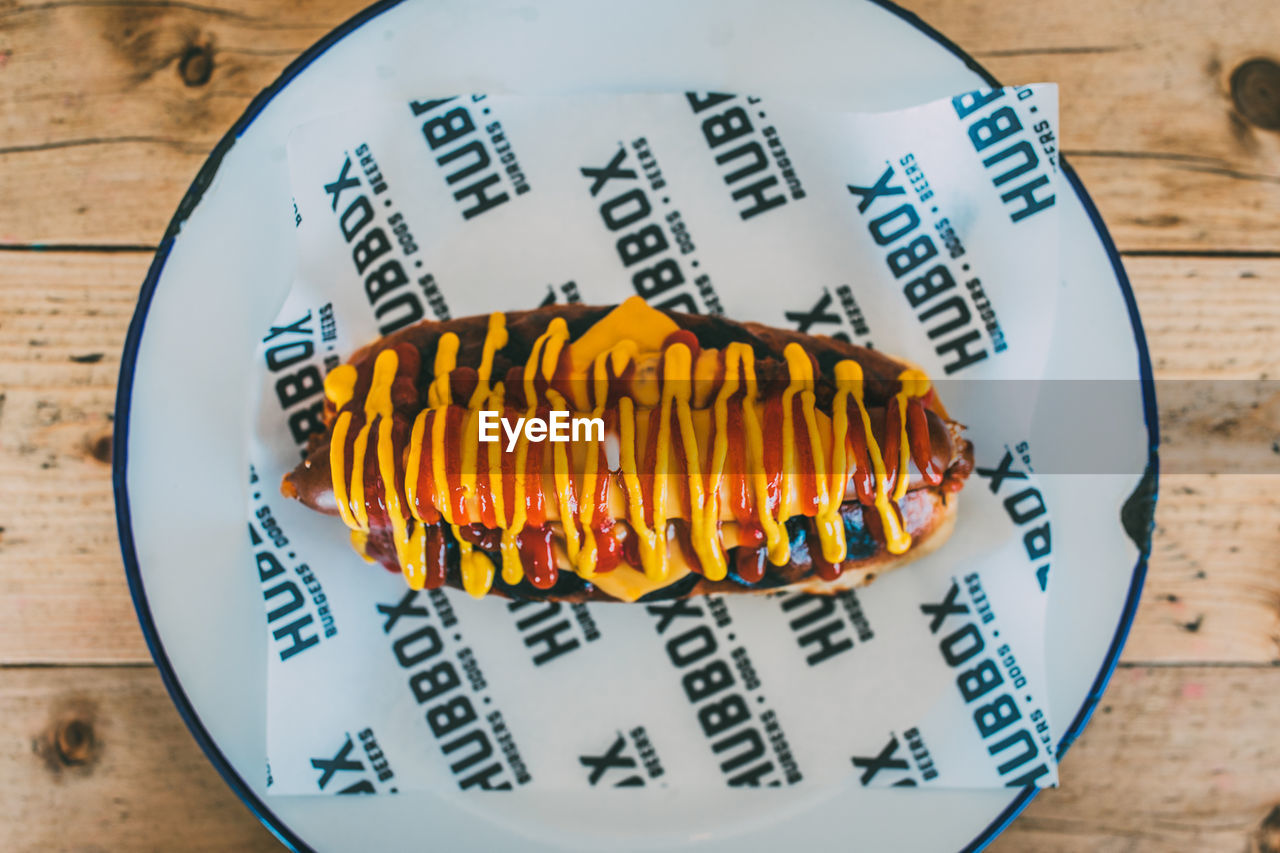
223, 268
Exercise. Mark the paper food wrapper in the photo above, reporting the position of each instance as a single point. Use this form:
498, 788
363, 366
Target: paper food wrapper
930, 233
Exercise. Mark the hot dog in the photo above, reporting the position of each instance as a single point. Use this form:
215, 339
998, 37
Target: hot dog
735, 457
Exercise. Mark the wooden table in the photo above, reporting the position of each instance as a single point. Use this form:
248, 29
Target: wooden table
108, 108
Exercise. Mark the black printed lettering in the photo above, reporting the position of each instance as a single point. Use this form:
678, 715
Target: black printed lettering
947, 607
884, 760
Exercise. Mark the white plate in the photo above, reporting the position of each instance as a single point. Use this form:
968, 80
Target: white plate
220, 273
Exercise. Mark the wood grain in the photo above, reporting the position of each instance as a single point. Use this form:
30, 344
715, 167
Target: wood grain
98, 760
1213, 592
107, 110
1175, 759
1156, 770
64, 321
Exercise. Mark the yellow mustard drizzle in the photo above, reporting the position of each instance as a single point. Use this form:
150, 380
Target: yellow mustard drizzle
497, 482
590, 372
778, 549
508, 546
719, 453
476, 568
704, 537
913, 383
897, 540
410, 548
413, 463
651, 542
616, 357
557, 336
339, 387
495, 339
376, 402
848, 379
567, 501
828, 521
360, 542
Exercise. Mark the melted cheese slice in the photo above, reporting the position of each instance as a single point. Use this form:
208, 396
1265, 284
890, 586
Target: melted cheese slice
633, 320
630, 585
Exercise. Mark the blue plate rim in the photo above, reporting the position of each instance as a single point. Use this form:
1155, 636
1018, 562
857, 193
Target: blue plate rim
1144, 496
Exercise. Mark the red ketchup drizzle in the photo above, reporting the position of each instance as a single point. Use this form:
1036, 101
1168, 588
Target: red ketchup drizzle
631, 550
360, 390
750, 556
684, 496
404, 393
773, 452
875, 526
649, 463
453, 428
608, 551
426, 475
408, 360
484, 538
404, 388
749, 563
401, 429
619, 384
514, 389
434, 558
484, 489
462, 384
374, 494
686, 337
921, 446
750, 535
535, 500
562, 375
540, 384
536, 555
863, 475
574, 502
736, 465
806, 469
508, 465
892, 445
827, 570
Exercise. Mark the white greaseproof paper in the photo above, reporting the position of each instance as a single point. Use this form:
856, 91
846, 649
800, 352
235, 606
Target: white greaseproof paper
930, 233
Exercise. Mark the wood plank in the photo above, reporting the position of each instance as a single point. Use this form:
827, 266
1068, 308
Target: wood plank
1147, 113
108, 110
104, 118
64, 593
1176, 758
98, 759
1213, 328
1157, 769
1215, 571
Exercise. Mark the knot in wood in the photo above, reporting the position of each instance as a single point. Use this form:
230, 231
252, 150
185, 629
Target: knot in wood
1266, 838
1255, 89
196, 65
100, 449
74, 742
